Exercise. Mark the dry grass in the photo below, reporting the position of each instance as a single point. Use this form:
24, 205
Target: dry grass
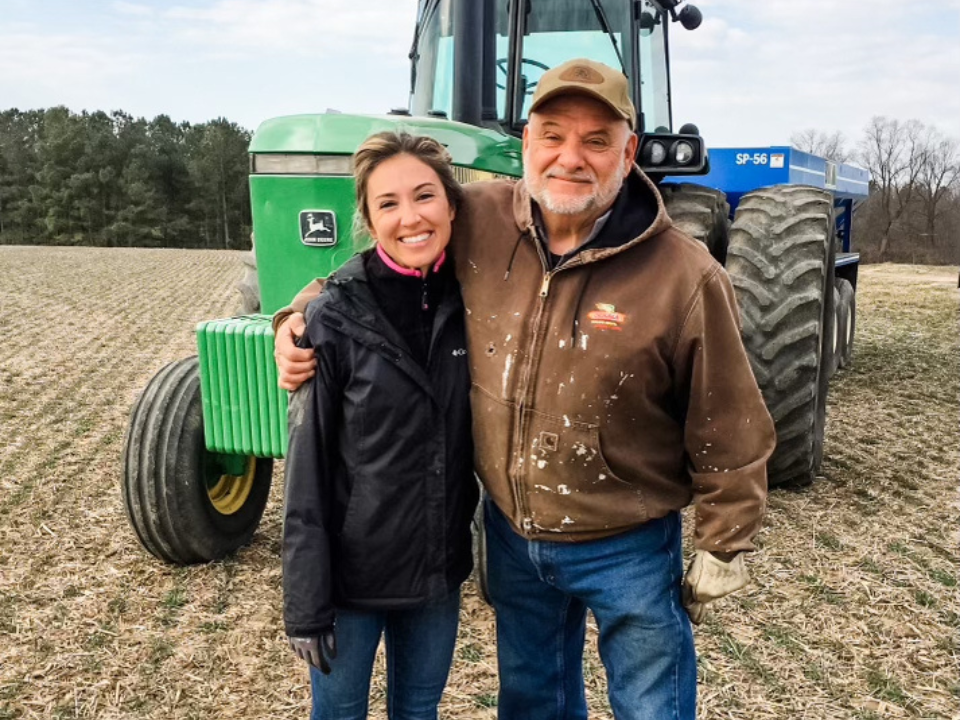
853, 614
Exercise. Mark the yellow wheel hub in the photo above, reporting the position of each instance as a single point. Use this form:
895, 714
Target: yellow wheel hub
231, 491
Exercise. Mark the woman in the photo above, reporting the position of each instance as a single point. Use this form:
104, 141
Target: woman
379, 472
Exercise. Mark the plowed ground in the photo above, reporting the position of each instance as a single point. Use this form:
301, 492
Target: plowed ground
853, 612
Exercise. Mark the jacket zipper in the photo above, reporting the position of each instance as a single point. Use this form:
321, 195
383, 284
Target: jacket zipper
524, 386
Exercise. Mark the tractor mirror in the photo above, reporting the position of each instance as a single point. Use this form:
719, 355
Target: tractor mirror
690, 17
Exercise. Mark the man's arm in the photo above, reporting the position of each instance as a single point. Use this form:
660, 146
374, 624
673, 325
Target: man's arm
728, 433
296, 365
729, 437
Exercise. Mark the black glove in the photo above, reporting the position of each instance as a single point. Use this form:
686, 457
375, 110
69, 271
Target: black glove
316, 650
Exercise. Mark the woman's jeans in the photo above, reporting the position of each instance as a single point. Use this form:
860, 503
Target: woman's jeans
419, 644
631, 582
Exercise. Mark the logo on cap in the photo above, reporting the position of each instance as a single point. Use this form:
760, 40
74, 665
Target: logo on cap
582, 74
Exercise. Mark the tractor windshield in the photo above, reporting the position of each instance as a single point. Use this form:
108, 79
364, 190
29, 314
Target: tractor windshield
625, 34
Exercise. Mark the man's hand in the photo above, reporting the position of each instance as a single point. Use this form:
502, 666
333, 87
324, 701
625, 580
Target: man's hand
710, 577
296, 365
316, 651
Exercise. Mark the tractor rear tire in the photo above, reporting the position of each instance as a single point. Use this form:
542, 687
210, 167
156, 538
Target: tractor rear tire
847, 314
701, 212
249, 285
186, 504
782, 263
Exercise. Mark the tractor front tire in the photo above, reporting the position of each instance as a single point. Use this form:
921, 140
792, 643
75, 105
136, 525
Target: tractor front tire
781, 261
186, 504
701, 212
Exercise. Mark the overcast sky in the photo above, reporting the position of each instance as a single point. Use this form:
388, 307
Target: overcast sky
752, 74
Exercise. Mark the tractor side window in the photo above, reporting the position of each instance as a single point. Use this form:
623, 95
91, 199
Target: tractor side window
433, 61
654, 83
560, 30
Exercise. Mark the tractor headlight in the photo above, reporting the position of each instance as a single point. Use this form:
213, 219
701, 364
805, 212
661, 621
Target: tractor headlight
683, 153
654, 153
665, 153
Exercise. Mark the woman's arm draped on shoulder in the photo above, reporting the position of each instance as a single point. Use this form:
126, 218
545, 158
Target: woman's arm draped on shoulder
310, 463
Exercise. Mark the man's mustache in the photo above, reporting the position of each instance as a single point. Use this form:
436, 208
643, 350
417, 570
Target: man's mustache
575, 177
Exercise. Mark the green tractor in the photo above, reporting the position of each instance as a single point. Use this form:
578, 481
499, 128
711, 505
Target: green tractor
202, 439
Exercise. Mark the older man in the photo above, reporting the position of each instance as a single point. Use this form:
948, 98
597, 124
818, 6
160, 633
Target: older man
610, 388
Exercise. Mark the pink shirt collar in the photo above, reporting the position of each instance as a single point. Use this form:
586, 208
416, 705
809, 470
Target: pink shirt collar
409, 272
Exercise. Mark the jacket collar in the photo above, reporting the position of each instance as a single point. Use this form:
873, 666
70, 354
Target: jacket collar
350, 298
636, 186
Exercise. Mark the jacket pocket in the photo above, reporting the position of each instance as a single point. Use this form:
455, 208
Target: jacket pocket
569, 486
492, 431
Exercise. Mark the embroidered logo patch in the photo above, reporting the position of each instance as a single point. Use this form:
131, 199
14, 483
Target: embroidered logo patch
582, 74
606, 317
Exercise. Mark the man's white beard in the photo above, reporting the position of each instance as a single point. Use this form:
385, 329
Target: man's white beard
602, 197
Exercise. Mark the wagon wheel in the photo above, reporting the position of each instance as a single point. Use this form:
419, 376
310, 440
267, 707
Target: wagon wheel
848, 320
836, 337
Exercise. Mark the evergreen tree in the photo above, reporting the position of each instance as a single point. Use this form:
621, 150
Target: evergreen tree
115, 180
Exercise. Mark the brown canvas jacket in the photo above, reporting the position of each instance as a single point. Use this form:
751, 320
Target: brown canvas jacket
611, 390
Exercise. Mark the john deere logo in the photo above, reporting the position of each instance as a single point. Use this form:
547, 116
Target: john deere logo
318, 228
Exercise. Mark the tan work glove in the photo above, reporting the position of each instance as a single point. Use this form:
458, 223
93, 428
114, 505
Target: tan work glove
709, 578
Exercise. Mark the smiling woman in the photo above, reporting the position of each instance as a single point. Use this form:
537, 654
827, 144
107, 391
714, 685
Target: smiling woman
379, 474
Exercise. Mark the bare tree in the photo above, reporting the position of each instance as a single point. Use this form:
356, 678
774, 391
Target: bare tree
832, 146
939, 174
895, 154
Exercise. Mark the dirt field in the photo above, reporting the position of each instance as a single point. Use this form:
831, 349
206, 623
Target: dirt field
854, 612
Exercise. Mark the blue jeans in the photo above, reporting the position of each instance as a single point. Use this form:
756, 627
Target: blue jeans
631, 582
419, 644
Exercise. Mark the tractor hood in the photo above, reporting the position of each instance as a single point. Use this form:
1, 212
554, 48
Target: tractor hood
338, 134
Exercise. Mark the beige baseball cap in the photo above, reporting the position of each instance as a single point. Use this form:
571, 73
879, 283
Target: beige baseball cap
587, 77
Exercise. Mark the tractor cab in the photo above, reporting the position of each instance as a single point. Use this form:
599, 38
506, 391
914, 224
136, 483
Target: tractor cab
479, 62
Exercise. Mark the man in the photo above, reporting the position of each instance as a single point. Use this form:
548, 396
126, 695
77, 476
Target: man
610, 388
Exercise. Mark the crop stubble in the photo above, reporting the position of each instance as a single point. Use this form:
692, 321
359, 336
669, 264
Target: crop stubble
853, 612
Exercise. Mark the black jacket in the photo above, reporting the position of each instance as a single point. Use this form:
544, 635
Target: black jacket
379, 472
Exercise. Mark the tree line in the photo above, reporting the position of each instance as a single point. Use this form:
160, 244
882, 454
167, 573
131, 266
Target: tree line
110, 179
113, 180
913, 212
